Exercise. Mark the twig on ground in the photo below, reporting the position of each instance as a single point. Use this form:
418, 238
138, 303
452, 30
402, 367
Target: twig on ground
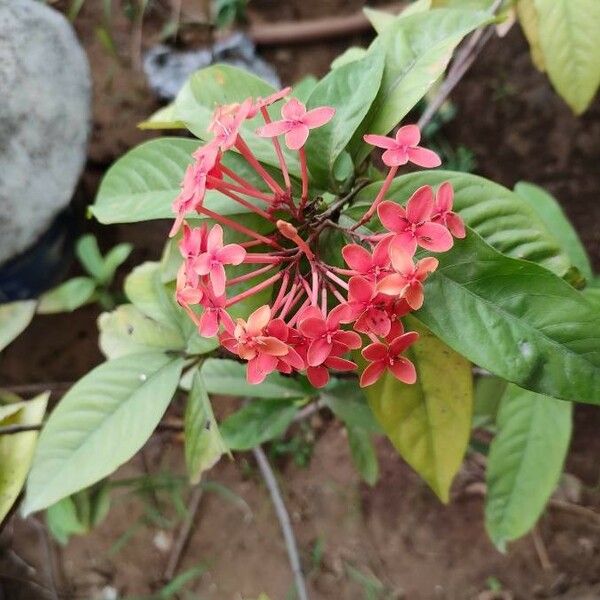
184, 533
284, 520
540, 549
56, 387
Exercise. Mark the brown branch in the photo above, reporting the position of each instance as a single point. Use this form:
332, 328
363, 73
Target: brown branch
312, 30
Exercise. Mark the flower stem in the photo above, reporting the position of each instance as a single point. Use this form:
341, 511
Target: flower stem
249, 156
254, 290
380, 196
304, 175
277, 146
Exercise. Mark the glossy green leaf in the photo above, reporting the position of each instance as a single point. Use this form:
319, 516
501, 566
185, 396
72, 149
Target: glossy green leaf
525, 461
350, 55
303, 88
14, 318
515, 319
363, 453
489, 390
556, 221
498, 215
163, 118
568, 37
257, 422
348, 402
381, 19
16, 450
126, 330
102, 421
63, 522
68, 296
429, 422
350, 89
204, 445
143, 183
417, 50
225, 84
228, 377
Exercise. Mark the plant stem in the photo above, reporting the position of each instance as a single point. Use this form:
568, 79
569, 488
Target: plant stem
284, 520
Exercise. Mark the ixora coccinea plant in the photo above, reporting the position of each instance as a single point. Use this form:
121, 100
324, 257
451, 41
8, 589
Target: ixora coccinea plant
308, 266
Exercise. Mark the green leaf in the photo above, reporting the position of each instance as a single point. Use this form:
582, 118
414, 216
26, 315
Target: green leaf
349, 89
489, 390
525, 461
14, 318
126, 330
114, 258
163, 118
528, 19
16, 450
363, 453
102, 421
143, 183
497, 214
224, 376
380, 19
429, 422
68, 296
417, 48
63, 521
348, 402
204, 445
258, 422
515, 319
556, 221
350, 55
224, 84
568, 34
303, 88
89, 256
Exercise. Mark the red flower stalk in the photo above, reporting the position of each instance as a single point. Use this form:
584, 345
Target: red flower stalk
317, 313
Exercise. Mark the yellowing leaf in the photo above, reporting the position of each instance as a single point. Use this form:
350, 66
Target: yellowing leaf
529, 23
429, 422
16, 450
568, 33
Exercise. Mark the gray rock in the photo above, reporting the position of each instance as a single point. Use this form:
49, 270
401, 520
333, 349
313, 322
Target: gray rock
167, 69
45, 90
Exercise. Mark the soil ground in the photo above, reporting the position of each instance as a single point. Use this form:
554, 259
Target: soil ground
395, 535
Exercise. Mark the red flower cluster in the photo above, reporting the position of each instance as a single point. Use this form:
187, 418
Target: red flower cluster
305, 327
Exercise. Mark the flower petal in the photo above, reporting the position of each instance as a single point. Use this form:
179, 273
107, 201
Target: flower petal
404, 370
293, 110
258, 320
420, 205
392, 216
318, 116
318, 351
208, 324
392, 285
349, 339
425, 266
272, 346
296, 137
372, 373
434, 237
414, 295
318, 376
360, 289
313, 327
218, 278
444, 197
395, 157
408, 135
274, 128
375, 351
424, 157
402, 261
232, 254
202, 264
456, 225
381, 141
340, 364
357, 257
402, 342
215, 238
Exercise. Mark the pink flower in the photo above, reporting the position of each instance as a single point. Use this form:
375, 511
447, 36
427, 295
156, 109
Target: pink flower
227, 121
187, 292
324, 333
407, 282
194, 185
319, 375
251, 342
404, 148
296, 123
363, 263
412, 225
383, 357
261, 103
213, 261
442, 211
214, 315
279, 329
368, 307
